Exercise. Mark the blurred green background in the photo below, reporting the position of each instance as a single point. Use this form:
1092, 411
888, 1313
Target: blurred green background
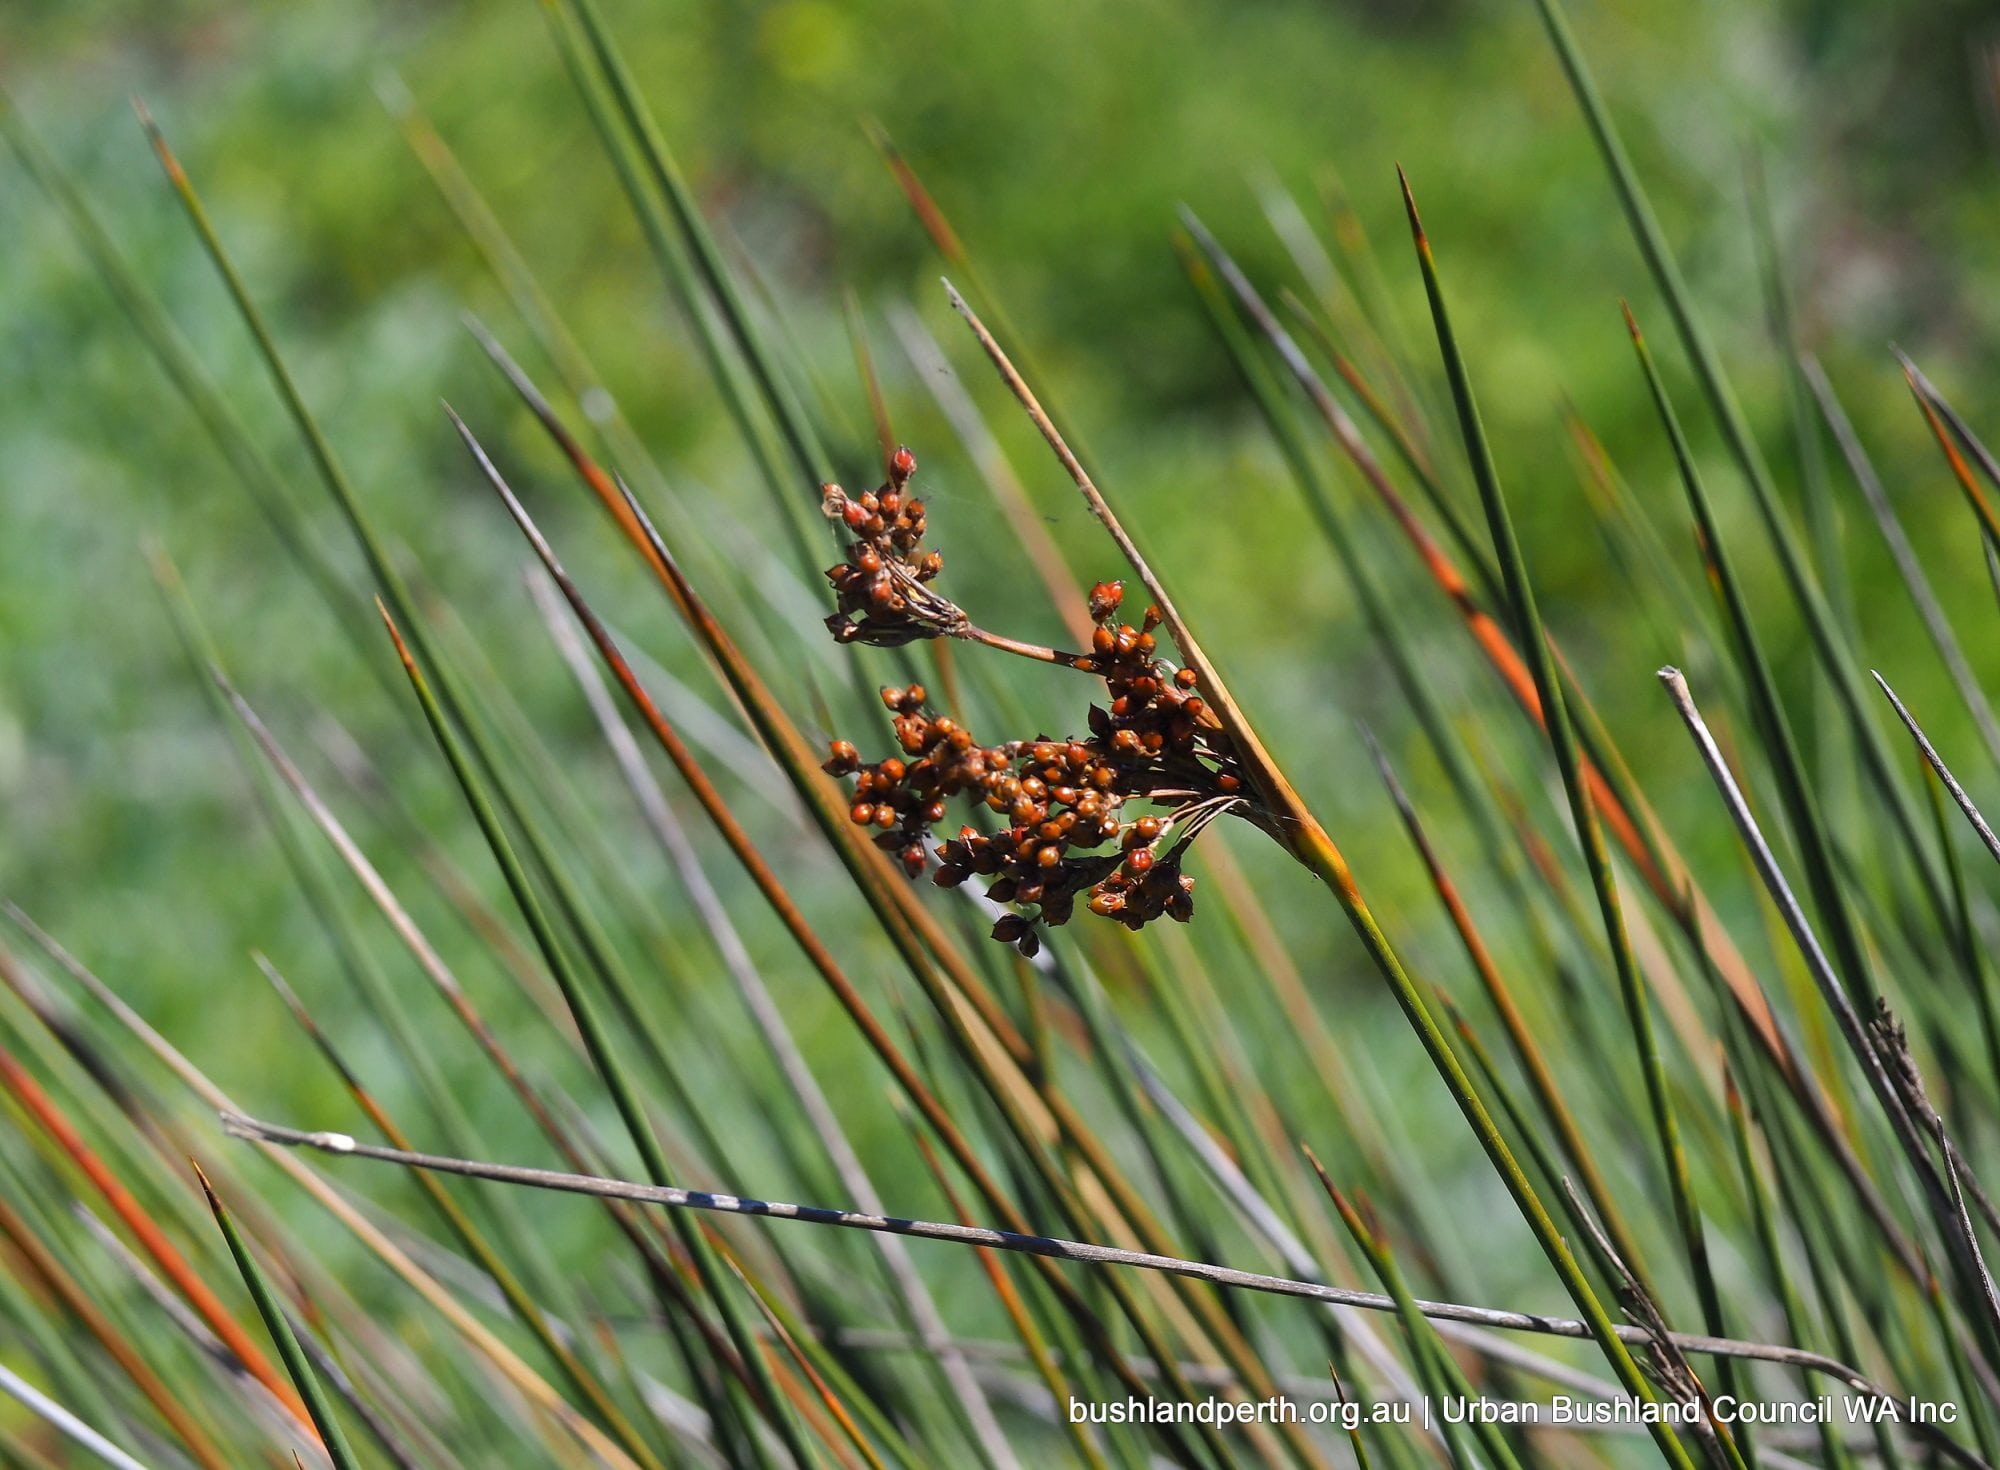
1060, 136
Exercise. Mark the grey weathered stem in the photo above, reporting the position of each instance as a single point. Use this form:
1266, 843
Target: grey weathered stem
1905, 555
1051, 1246
1866, 1052
1944, 774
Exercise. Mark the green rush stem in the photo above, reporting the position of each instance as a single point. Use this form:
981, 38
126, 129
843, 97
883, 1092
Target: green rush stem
784, 742
1309, 843
1590, 835
1320, 856
516, 1372
908, 924
394, 589
1937, 413
808, 455
841, 1161
1432, 1358
360, 966
828, 1397
67, 1374
1541, 1079
1875, 1059
598, 1042
1533, 1146
1765, 1225
119, 1344
1625, 807
1966, 935
280, 1328
467, 1233
674, 267
668, 1284
1017, 1314
1380, 414
377, 994
1811, 1218
1908, 565
1809, 828
1832, 649
1320, 500
1611, 497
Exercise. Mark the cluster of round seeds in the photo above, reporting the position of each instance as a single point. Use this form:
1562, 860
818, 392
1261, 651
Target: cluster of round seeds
1058, 802
906, 797
1154, 713
1144, 886
880, 589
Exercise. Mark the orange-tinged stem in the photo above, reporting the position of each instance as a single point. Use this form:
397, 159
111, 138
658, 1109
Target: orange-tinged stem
29, 1094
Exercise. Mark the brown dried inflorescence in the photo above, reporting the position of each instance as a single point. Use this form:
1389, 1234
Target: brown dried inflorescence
882, 588
1057, 828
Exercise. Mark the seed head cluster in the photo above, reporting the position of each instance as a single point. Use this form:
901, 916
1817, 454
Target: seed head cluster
1056, 829
882, 588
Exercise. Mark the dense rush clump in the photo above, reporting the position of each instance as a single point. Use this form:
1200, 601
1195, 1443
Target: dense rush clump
1056, 827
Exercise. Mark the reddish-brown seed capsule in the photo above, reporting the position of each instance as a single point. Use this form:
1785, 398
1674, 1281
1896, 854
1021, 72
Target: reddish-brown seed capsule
1104, 599
902, 465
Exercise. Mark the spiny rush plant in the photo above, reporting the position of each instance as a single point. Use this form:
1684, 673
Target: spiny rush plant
1718, 1195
